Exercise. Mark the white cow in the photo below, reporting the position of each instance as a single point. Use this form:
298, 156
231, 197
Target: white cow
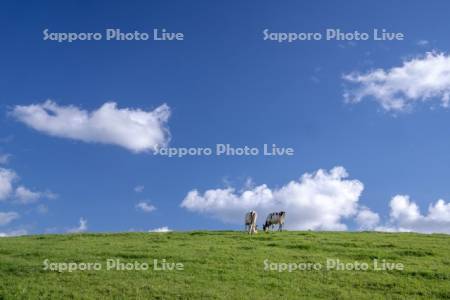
250, 222
275, 218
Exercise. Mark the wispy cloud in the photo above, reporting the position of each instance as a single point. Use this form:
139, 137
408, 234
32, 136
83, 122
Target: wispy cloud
423, 43
24, 195
8, 217
139, 188
145, 207
20, 194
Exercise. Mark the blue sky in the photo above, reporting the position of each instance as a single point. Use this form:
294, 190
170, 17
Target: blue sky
223, 84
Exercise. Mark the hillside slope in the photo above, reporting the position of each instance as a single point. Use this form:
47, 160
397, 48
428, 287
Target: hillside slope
225, 265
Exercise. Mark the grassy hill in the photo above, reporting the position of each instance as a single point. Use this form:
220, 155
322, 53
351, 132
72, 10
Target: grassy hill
226, 265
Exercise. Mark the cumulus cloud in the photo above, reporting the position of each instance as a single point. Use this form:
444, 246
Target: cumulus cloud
8, 217
420, 79
134, 129
317, 201
405, 215
81, 228
7, 177
145, 207
18, 232
367, 219
161, 229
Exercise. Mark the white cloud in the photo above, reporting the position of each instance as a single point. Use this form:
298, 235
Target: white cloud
21, 194
403, 209
134, 129
420, 79
8, 217
7, 178
145, 207
25, 196
18, 232
317, 201
367, 219
139, 189
81, 228
405, 215
248, 184
161, 229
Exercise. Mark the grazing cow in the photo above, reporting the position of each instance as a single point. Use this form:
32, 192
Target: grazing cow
273, 219
250, 222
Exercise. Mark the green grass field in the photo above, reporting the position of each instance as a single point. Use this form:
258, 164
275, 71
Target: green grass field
226, 265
